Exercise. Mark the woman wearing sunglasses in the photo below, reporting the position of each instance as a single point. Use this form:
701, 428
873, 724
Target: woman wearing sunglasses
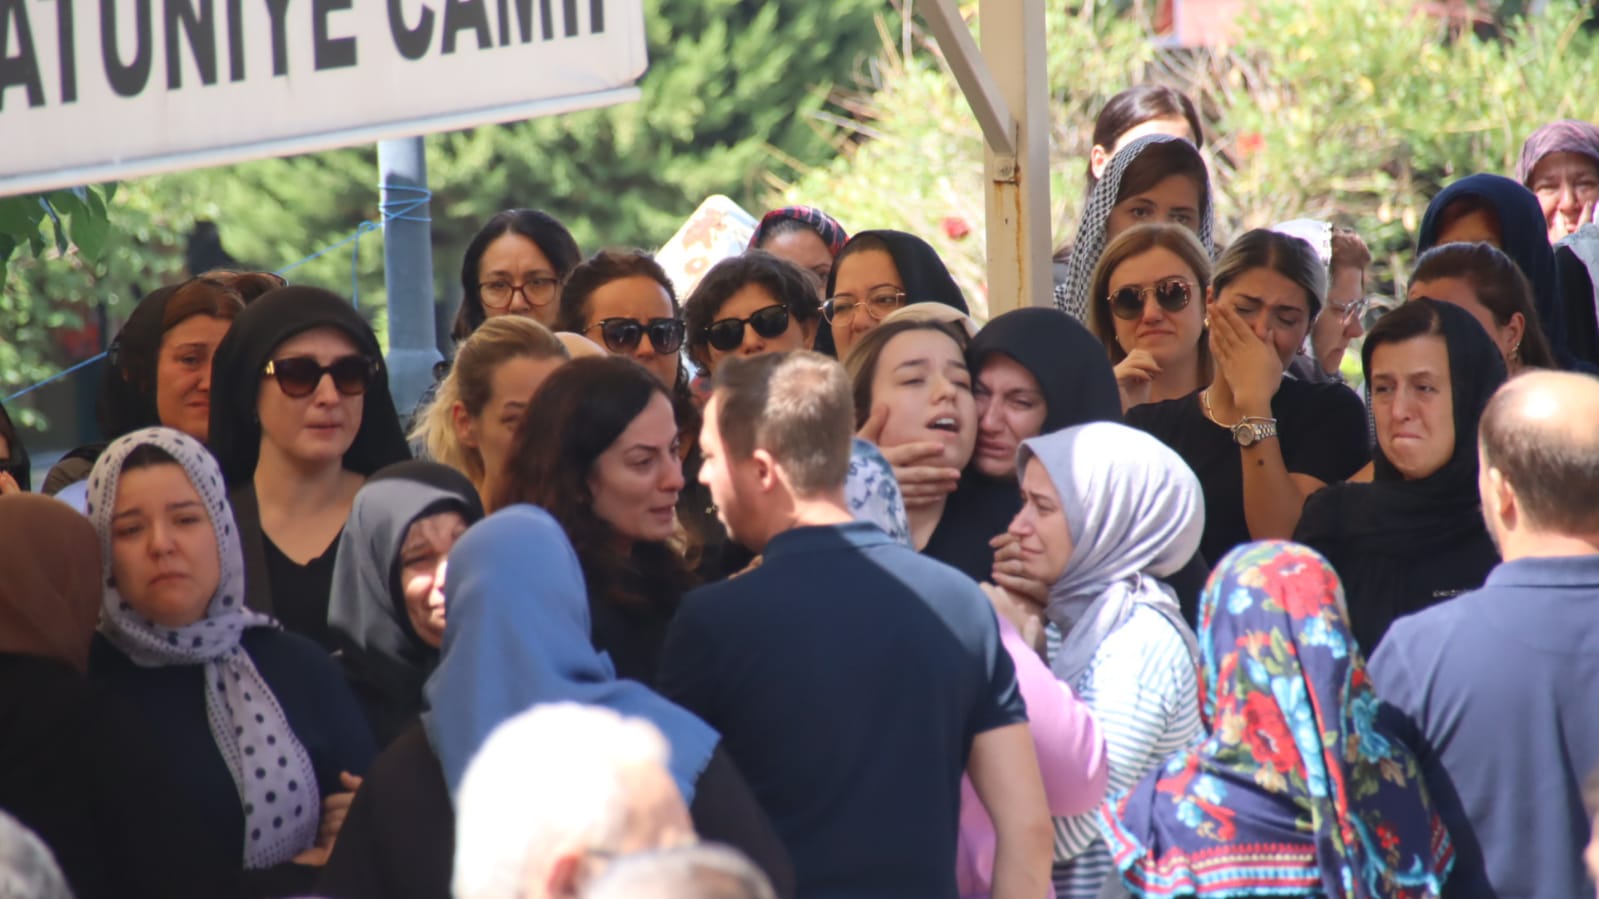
624, 301
1151, 285
876, 273
303, 415
748, 305
1260, 442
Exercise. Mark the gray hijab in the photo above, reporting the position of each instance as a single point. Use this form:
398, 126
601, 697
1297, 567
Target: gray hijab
1135, 512
1071, 295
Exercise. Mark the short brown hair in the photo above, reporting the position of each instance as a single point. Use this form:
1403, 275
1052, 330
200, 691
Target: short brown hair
861, 363
794, 405
786, 282
1552, 467
1136, 241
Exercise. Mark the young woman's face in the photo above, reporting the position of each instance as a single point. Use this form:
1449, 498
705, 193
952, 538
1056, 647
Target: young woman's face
806, 249
183, 374
317, 429
1040, 527
641, 299
636, 481
1172, 338
1459, 292
1412, 400
511, 388
1010, 409
508, 262
921, 376
1175, 200
1273, 306
745, 302
422, 559
870, 280
1566, 184
164, 556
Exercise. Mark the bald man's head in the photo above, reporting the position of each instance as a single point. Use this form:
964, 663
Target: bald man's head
1541, 432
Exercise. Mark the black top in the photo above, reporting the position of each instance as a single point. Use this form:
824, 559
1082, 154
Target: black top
171, 699
1578, 300
1322, 433
848, 676
399, 839
80, 769
300, 592
1400, 545
631, 634
1078, 386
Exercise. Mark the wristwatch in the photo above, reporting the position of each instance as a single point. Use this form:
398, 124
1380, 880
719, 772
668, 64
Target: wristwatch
1251, 431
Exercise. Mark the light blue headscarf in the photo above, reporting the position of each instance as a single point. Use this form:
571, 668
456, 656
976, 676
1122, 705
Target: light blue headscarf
1135, 512
517, 634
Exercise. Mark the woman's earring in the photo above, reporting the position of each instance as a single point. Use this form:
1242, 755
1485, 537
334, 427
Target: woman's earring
1515, 352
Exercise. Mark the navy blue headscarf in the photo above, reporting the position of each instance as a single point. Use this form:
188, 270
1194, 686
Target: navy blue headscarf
1523, 236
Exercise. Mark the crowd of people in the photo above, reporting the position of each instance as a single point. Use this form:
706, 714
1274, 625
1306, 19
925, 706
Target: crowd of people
808, 584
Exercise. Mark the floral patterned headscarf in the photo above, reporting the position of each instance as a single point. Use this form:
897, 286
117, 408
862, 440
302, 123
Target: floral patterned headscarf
1298, 789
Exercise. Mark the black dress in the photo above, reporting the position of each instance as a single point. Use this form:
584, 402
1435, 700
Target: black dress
1322, 433
80, 769
399, 839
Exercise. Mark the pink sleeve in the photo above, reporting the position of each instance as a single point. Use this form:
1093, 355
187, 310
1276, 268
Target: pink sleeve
1071, 752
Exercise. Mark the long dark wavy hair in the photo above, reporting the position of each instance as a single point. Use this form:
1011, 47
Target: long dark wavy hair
576, 414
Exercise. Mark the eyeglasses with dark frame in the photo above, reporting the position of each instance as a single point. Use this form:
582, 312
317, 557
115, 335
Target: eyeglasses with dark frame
879, 305
1171, 294
727, 334
299, 376
622, 335
538, 291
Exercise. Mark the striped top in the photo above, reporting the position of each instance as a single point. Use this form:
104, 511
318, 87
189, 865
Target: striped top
1144, 690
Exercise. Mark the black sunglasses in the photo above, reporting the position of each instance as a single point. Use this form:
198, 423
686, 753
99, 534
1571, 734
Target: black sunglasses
1173, 295
728, 333
622, 335
298, 376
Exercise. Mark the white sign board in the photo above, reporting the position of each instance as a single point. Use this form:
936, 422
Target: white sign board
96, 90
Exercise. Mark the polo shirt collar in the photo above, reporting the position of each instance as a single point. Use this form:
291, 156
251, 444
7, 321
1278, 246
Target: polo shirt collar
1553, 571
826, 538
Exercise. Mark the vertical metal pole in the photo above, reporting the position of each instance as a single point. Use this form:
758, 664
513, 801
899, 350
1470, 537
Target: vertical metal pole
407, 271
1019, 271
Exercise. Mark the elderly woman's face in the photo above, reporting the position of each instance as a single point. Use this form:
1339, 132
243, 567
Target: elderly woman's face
1567, 186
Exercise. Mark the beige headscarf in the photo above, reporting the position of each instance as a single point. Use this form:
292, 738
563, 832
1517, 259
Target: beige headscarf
49, 579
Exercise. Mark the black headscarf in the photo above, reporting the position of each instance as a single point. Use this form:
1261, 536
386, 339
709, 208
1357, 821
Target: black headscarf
20, 466
1389, 536
1523, 236
1078, 385
923, 273
127, 399
236, 373
385, 660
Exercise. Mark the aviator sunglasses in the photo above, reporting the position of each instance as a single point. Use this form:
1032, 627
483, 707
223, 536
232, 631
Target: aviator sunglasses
728, 333
298, 376
622, 335
1172, 294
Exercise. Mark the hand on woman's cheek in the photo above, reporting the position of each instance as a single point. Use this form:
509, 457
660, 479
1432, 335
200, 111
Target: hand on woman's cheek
1251, 365
922, 479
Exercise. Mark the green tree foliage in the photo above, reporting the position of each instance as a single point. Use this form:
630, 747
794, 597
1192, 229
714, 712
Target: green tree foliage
1357, 110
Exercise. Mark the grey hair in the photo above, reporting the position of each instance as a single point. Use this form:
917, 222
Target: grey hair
554, 774
27, 869
690, 872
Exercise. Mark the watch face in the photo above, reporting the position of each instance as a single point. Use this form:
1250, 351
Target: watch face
1245, 434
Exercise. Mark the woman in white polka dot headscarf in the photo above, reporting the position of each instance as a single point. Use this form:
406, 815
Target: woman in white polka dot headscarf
259, 724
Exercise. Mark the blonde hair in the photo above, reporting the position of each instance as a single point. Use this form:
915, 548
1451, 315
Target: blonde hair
471, 383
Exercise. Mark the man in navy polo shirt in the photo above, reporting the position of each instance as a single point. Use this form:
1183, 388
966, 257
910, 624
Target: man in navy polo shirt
852, 680
1502, 684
